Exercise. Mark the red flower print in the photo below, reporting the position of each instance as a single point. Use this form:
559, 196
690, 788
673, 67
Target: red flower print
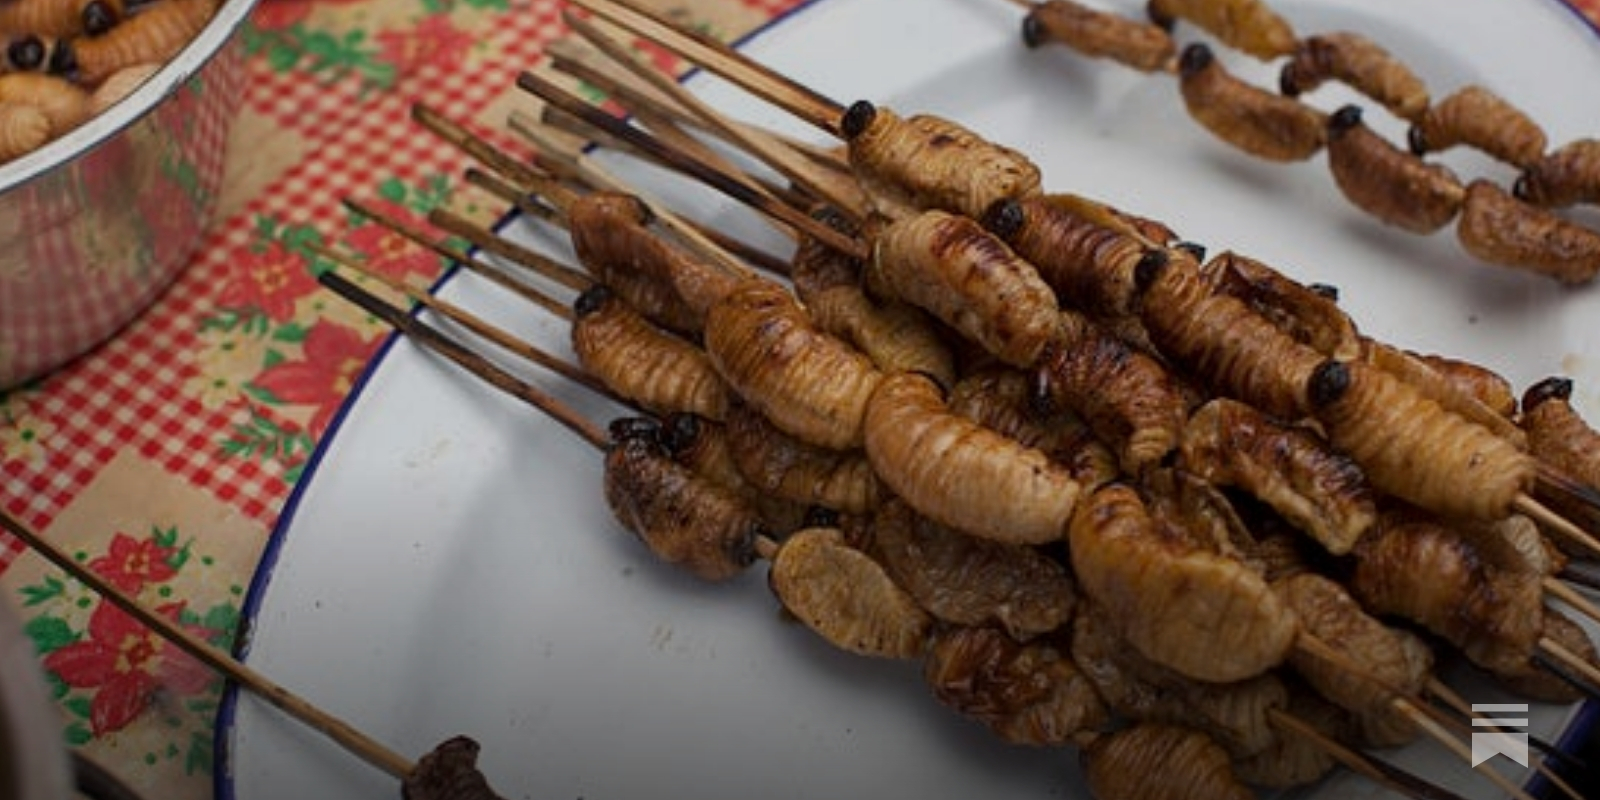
434, 40
276, 15
389, 253
125, 663
270, 282
334, 357
130, 563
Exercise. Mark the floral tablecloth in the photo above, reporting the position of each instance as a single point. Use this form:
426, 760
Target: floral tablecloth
163, 457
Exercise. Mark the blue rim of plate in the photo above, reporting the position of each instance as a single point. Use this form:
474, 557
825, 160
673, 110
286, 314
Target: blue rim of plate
1585, 719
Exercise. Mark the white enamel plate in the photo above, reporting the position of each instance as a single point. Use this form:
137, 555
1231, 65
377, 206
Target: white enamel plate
449, 566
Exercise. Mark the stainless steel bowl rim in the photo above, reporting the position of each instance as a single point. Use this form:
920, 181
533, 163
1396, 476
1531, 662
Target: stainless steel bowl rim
143, 100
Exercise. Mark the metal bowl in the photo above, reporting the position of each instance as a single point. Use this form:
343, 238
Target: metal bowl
95, 224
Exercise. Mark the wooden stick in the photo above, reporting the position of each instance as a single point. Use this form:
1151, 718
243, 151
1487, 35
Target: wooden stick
733, 186
1460, 748
1438, 689
473, 323
716, 57
490, 156
1571, 597
352, 740
1372, 769
528, 258
1570, 660
432, 339
1541, 514
524, 199
775, 154
464, 259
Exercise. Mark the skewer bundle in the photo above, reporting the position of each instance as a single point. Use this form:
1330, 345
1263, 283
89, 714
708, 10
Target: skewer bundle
1168, 564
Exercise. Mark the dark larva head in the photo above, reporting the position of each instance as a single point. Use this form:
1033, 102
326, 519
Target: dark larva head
26, 53
63, 59
820, 517
1194, 58
1347, 117
1005, 218
1328, 383
99, 17
681, 431
626, 429
1552, 388
1326, 291
1417, 141
1034, 32
1195, 249
857, 118
591, 300
1149, 268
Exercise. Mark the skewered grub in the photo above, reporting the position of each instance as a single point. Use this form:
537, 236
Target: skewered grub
1028, 694
1099, 34
448, 772
1476, 117
1259, 122
1565, 176
1248, 25
1360, 63
642, 363
1158, 761
1500, 229
1397, 187
1557, 434
843, 595
776, 463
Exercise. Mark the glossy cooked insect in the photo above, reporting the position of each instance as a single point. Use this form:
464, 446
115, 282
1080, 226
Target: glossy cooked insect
1028, 694
1557, 434
1248, 25
23, 129
1490, 389
1500, 229
925, 161
685, 519
1474, 392
1257, 121
999, 398
1477, 117
843, 595
1203, 614
1087, 252
1125, 396
1568, 175
64, 103
1311, 315
611, 238
59, 19
1397, 187
776, 463
1413, 448
966, 277
448, 772
153, 35
966, 580
1324, 494
1222, 342
702, 446
659, 371
809, 384
1392, 663
1294, 758
119, 85
1359, 63
1160, 761
961, 474
1099, 34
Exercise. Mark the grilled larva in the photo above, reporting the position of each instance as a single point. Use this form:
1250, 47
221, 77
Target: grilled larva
809, 384
1361, 64
1414, 449
1087, 252
1500, 229
1126, 397
929, 162
845, 597
1472, 391
155, 34
1567, 175
1477, 117
448, 772
119, 85
1295, 759
23, 129
59, 19
1160, 761
632, 357
1222, 343
1257, 121
777, 463
64, 103
685, 519
1392, 663
702, 446
1099, 34
1309, 315
999, 398
1030, 694
966, 277
1248, 25
1385, 181
961, 474
1557, 434
1323, 493
966, 580
1202, 614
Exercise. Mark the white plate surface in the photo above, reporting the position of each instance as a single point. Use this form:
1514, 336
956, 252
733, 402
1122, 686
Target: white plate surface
449, 565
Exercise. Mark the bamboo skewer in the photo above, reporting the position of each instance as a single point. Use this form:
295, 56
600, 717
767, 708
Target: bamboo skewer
342, 733
1542, 514
1572, 598
736, 188
723, 60
525, 257
475, 146
1437, 688
1370, 768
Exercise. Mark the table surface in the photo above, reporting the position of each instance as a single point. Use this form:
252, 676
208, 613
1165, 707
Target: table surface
163, 457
